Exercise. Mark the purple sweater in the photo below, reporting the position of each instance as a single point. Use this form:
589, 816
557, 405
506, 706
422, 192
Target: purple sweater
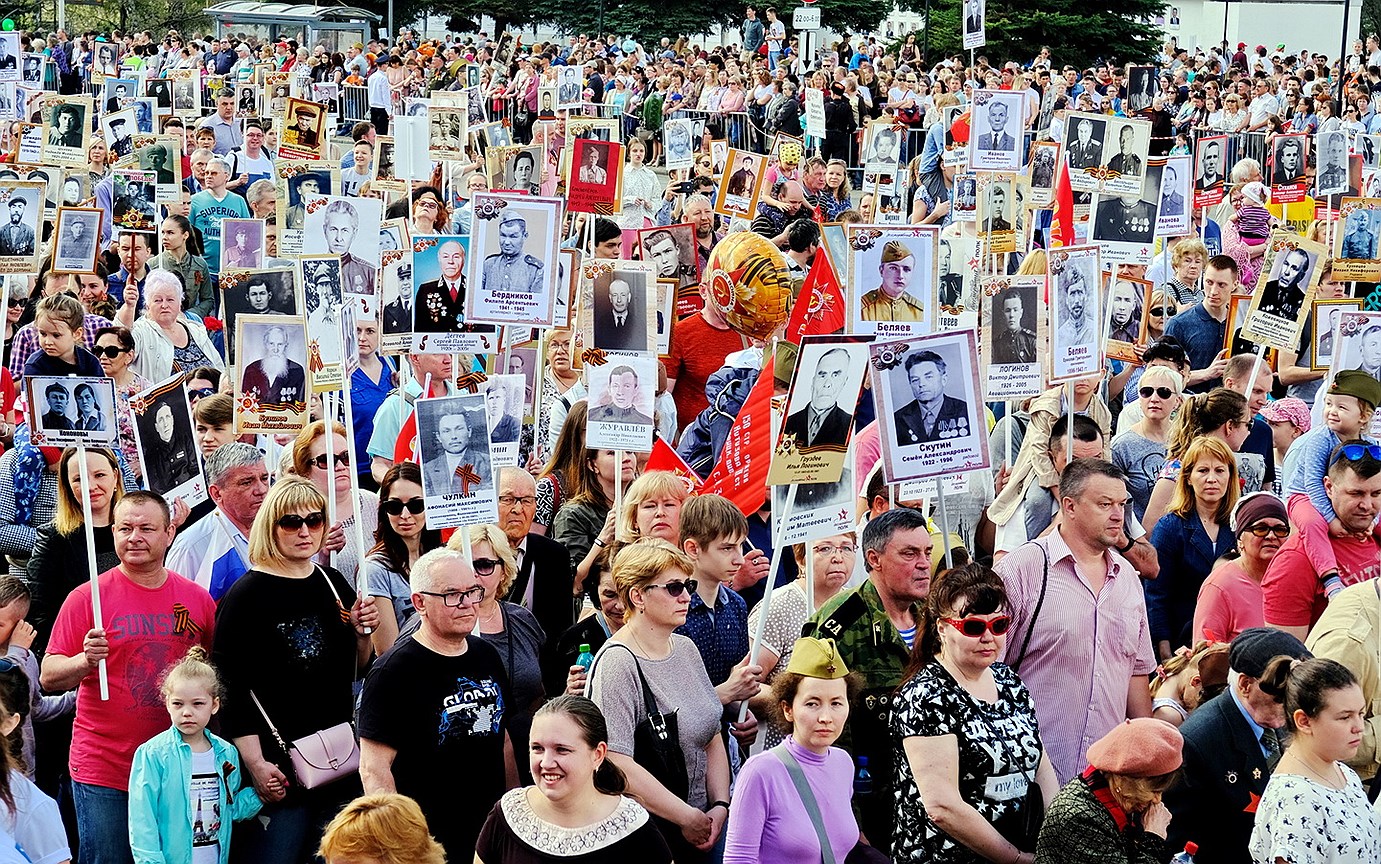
768, 824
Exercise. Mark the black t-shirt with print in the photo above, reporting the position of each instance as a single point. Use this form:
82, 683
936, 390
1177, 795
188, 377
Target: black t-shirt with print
446, 717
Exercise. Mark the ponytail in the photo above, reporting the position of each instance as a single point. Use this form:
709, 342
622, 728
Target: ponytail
609, 778
1304, 685
1202, 414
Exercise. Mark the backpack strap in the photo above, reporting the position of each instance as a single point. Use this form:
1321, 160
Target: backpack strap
1045, 582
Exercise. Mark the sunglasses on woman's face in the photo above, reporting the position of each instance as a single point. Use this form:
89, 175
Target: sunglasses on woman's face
341, 459
396, 506
197, 394
485, 566
677, 588
1162, 392
976, 627
294, 522
111, 351
1261, 530
1163, 311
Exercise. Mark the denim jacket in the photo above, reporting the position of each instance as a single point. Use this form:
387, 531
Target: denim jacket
160, 805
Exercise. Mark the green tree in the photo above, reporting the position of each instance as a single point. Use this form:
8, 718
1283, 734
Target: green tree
1078, 32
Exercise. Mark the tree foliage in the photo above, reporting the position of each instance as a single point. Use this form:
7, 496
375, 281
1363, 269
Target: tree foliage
1078, 32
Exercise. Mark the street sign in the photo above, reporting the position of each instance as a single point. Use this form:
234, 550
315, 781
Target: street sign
806, 18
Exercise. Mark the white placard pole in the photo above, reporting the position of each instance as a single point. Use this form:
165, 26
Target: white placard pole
91, 565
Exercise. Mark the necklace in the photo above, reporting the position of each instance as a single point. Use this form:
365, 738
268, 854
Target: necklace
1337, 781
489, 619
646, 653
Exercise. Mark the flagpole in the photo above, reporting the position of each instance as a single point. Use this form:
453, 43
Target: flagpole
944, 521
618, 490
96, 615
766, 602
360, 584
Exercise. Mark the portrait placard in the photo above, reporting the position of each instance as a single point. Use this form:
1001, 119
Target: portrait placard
1128, 317
892, 278
567, 287
1285, 289
618, 308
513, 242
1173, 216
515, 168
446, 132
740, 184
163, 432
820, 405
324, 304
67, 410
457, 474
1125, 150
246, 101
396, 288
568, 86
679, 138
119, 128
997, 210
1324, 321
666, 315
622, 389
186, 85
595, 184
881, 147
1074, 277
271, 370
386, 178
439, 280
674, 252
297, 182
975, 20
930, 407
66, 130
1209, 164
133, 197
1356, 252
21, 203
957, 282
78, 233
1356, 345
349, 228
1286, 165
257, 292
242, 246
1045, 161
156, 155
1141, 88
503, 414
1125, 225
1367, 146
1233, 341
304, 130
1014, 335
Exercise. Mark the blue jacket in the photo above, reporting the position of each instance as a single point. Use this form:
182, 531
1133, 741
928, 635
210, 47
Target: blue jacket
160, 805
1186, 558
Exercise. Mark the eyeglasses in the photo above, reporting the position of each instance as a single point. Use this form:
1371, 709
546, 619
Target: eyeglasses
17, 302
510, 500
111, 351
1163, 311
294, 522
485, 566
194, 394
1162, 392
831, 551
340, 459
675, 589
454, 599
396, 506
1357, 452
1261, 529
976, 627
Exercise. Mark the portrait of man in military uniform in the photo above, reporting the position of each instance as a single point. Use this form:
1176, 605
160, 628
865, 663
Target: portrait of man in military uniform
1086, 150
1125, 305
622, 400
1126, 161
893, 299
1014, 335
274, 378
305, 131
1284, 293
951, 283
1332, 152
510, 270
1359, 234
1125, 219
995, 209
341, 226
932, 414
1171, 199
301, 188
17, 238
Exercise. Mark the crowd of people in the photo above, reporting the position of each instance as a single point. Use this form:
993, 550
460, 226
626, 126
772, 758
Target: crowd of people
1150, 623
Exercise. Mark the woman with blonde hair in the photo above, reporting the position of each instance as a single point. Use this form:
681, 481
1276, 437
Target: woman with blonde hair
1189, 679
646, 671
1140, 451
1187, 260
384, 829
294, 635
330, 474
1190, 538
1163, 308
652, 507
1220, 413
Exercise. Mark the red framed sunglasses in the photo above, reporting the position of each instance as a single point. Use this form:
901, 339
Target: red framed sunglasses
976, 627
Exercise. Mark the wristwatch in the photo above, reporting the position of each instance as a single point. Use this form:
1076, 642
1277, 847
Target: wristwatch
714, 804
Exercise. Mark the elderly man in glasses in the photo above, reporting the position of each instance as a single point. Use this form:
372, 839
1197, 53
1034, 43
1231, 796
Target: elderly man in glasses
543, 583
437, 706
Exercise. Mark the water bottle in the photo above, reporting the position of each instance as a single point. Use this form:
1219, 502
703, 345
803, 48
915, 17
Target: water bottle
863, 780
1187, 856
586, 659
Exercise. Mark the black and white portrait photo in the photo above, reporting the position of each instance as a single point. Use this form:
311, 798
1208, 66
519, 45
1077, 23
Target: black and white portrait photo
1360, 229
1289, 158
303, 135
66, 130
158, 159
134, 199
1369, 146
996, 208
740, 183
348, 227
257, 292
930, 406
1074, 312
516, 169
950, 275
996, 132
271, 366
820, 408
71, 410
303, 186
1014, 325
438, 306
1084, 145
568, 86
160, 90
1044, 158
974, 33
1209, 158
78, 234
10, 51
1285, 291
1332, 177
324, 305
33, 69
1175, 197
1121, 149
1141, 88
622, 305
1324, 323
457, 472
21, 208
881, 147
621, 393
514, 241
673, 252
679, 138
246, 101
163, 430
503, 414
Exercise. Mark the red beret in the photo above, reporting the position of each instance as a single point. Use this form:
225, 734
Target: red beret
1144, 747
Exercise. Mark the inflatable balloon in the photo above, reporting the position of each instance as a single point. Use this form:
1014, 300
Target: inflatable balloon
750, 283
790, 152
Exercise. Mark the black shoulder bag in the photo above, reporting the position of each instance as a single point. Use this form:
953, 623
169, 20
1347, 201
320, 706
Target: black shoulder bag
656, 741
1040, 601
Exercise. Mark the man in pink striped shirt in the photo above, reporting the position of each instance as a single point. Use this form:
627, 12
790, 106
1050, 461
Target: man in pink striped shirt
1086, 642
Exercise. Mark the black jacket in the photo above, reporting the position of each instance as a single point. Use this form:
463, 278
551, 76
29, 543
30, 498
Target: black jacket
57, 567
547, 564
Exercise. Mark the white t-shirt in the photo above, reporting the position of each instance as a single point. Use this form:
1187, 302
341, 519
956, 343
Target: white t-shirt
206, 809
776, 33
33, 832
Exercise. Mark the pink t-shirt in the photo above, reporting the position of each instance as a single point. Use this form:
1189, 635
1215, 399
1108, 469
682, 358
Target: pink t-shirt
1293, 594
1229, 602
149, 629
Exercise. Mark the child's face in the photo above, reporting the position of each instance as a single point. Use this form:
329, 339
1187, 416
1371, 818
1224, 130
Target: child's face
54, 337
719, 559
1343, 414
10, 616
190, 706
211, 437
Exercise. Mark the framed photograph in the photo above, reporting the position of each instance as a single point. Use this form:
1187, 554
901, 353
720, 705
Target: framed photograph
1084, 150
964, 198
78, 233
930, 407
458, 484
10, 52
1288, 159
595, 184
1333, 176
1324, 321
143, 116
892, 275
881, 147
1285, 290
674, 252
1172, 212
439, 324
246, 101
1357, 345
186, 92
719, 156
304, 130
666, 314
1125, 150
158, 155
1368, 146
446, 132
1233, 340
515, 169
134, 205
348, 227
621, 390
1045, 159
76, 188
1209, 165
819, 419
975, 33
997, 209
514, 240
1355, 241
67, 131
525, 361
1013, 331
995, 142
503, 413
243, 244
1128, 315
257, 292
679, 140
1125, 225
1141, 88
32, 73
324, 306
567, 287
119, 129
163, 432
1074, 277
271, 374
67, 410
740, 185
21, 203
160, 90
107, 60
568, 90
956, 295
298, 182
617, 311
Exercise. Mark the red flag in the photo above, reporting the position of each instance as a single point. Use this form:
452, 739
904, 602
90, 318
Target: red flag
819, 310
664, 458
741, 473
1062, 224
405, 447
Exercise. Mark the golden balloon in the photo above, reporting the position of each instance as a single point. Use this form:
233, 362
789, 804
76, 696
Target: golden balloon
750, 283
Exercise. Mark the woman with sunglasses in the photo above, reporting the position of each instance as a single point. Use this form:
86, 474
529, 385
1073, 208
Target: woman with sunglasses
330, 474
509, 627
965, 720
585, 523
654, 581
1140, 451
1189, 539
401, 538
429, 214
1230, 599
1220, 413
292, 633
15, 311
115, 349
1163, 308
